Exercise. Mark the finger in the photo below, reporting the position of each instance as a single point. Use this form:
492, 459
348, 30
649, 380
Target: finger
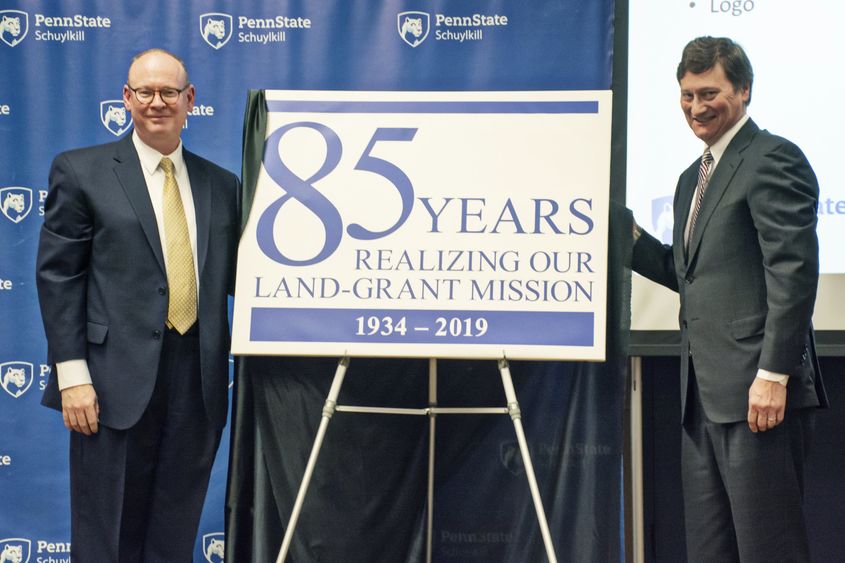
776, 415
91, 419
780, 414
771, 418
752, 420
81, 422
771, 422
73, 420
84, 422
66, 419
762, 421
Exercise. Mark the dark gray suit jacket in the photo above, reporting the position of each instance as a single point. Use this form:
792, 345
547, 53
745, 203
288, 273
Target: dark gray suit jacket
748, 281
102, 284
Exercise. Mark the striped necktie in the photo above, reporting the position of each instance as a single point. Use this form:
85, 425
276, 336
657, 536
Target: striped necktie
701, 185
181, 277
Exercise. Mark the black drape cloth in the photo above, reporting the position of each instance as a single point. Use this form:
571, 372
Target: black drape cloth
367, 499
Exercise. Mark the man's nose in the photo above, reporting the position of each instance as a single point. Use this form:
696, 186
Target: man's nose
157, 99
698, 107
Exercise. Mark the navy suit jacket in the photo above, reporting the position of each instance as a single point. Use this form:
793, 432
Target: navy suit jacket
748, 281
102, 284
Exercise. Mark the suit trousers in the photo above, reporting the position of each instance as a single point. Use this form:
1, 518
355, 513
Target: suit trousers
137, 494
743, 491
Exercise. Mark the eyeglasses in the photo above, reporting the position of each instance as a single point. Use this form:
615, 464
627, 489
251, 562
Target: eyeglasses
168, 95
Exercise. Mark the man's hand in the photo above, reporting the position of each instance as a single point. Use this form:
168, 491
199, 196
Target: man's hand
766, 404
80, 409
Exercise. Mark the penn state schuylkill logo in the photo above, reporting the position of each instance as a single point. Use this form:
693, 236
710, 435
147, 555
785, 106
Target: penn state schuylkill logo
14, 26
663, 218
15, 550
213, 547
114, 117
413, 27
15, 378
16, 202
216, 28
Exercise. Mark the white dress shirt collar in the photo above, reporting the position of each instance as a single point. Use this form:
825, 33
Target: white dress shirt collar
150, 158
718, 148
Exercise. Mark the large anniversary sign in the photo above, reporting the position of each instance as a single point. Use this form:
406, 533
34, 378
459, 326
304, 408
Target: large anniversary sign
430, 224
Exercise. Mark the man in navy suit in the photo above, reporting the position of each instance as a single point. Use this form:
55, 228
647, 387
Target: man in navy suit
135, 261
745, 261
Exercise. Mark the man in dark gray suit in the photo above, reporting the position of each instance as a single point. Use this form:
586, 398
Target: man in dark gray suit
744, 260
135, 260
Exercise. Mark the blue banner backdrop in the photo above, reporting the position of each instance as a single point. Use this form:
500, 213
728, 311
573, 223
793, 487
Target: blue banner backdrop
63, 66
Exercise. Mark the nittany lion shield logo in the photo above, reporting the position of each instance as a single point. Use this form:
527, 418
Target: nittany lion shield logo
16, 202
213, 547
216, 28
413, 27
511, 457
15, 550
14, 26
114, 117
663, 218
15, 378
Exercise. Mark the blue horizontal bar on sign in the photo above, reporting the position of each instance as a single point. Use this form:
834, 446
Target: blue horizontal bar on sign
316, 106
271, 324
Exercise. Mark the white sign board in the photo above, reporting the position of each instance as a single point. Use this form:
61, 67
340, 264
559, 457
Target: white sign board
428, 224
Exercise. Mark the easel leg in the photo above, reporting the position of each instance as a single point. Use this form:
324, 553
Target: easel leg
516, 416
328, 411
432, 423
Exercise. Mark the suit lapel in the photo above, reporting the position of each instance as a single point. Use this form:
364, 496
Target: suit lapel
201, 192
719, 182
686, 191
127, 168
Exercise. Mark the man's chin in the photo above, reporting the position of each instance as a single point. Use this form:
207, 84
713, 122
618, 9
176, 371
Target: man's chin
157, 136
703, 132
162, 129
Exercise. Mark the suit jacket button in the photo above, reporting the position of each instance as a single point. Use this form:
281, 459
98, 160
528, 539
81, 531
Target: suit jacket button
162, 291
156, 334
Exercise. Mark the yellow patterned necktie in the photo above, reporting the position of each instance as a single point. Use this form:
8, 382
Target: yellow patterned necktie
181, 279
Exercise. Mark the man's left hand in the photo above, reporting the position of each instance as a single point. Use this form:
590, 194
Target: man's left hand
766, 404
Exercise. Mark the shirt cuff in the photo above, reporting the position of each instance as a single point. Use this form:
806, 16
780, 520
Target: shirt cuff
72, 373
772, 376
